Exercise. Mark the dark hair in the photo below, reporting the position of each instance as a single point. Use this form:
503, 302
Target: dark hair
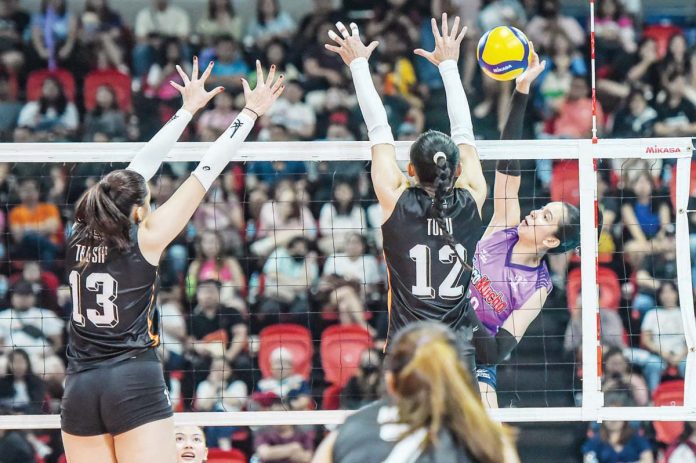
351, 204
102, 214
211, 8
226, 38
434, 391
687, 432
662, 287
61, 11
437, 171
98, 110
104, 14
210, 282
259, 14
61, 101
568, 232
162, 59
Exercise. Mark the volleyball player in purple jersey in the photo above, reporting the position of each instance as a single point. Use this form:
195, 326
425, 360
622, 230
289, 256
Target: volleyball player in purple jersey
510, 281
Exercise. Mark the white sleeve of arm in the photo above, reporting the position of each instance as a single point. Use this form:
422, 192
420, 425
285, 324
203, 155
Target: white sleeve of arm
149, 159
457, 104
371, 106
219, 154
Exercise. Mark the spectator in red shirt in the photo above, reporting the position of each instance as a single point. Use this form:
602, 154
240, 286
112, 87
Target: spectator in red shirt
575, 113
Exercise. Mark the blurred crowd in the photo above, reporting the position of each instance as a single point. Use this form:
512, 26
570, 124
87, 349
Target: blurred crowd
298, 243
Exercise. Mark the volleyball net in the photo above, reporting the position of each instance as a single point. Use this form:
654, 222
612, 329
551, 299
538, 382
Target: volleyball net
273, 300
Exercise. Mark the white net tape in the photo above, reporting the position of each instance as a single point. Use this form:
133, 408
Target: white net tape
592, 408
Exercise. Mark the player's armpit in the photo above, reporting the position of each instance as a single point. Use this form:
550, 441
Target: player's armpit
387, 179
472, 177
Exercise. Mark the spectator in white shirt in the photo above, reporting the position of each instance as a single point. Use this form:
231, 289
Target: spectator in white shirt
291, 111
38, 331
339, 218
354, 264
159, 20
52, 117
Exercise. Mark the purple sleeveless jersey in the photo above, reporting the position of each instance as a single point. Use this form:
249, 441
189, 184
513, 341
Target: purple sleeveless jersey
499, 287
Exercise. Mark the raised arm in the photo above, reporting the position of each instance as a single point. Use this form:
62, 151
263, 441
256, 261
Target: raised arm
167, 221
147, 161
506, 203
445, 57
388, 180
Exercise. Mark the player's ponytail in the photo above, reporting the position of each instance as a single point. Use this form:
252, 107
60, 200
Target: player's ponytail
103, 213
434, 392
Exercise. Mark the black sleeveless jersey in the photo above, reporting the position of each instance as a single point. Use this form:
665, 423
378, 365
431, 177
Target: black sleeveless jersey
114, 315
370, 435
426, 280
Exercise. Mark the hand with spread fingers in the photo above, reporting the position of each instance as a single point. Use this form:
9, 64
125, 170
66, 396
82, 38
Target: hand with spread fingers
524, 81
350, 47
193, 91
267, 91
447, 44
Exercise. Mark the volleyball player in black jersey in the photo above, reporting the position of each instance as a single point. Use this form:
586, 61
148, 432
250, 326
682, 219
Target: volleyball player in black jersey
116, 407
431, 413
430, 229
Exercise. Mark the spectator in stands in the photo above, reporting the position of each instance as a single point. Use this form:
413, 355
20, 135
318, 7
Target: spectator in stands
683, 450
282, 220
355, 263
290, 272
53, 376
44, 284
271, 23
174, 329
502, 12
163, 71
52, 117
276, 52
214, 323
222, 212
10, 105
556, 83
364, 386
14, 446
617, 441
615, 33
640, 70
190, 444
677, 115
59, 46
21, 389
347, 299
321, 68
293, 112
636, 119
676, 59
160, 20
36, 330
220, 20
213, 263
213, 122
101, 34
289, 387
548, 22
647, 218
220, 392
106, 122
13, 24
618, 376
230, 66
284, 443
322, 12
662, 336
35, 226
341, 217
265, 174
574, 118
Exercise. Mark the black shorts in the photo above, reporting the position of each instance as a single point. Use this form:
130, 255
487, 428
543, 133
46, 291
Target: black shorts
116, 399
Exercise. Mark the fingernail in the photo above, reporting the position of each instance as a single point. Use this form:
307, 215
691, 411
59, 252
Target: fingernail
210, 64
273, 66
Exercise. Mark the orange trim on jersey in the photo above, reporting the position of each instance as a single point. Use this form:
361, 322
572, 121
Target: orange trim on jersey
153, 337
389, 302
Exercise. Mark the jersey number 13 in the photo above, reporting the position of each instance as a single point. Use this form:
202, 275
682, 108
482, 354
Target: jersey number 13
449, 289
106, 288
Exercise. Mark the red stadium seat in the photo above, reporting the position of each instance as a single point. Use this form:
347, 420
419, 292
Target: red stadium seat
331, 399
296, 338
668, 394
609, 288
341, 346
121, 83
36, 79
565, 183
63, 459
673, 184
226, 456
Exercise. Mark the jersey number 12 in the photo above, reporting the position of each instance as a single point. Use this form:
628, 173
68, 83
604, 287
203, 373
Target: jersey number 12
106, 288
447, 290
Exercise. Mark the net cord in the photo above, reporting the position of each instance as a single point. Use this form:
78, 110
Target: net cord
592, 408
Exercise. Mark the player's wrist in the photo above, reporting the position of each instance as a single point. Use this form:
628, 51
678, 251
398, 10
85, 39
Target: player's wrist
523, 87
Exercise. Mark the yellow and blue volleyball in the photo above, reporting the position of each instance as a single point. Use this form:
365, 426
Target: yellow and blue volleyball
503, 53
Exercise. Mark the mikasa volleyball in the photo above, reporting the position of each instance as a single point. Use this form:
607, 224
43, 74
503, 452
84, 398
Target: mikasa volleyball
503, 53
